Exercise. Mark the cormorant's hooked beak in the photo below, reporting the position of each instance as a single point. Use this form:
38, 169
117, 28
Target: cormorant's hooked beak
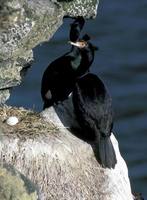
80, 44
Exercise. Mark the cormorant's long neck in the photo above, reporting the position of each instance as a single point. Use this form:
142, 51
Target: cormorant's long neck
87, 57
76, 58
86, 61
75, 51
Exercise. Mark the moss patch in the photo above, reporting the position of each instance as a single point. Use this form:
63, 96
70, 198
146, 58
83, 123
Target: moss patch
13, 187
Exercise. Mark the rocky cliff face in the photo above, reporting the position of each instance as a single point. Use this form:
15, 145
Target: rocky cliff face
46, 152
39, 146
23, 25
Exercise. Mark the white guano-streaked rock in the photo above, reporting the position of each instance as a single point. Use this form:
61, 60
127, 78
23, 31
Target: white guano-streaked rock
61, 165
116, 183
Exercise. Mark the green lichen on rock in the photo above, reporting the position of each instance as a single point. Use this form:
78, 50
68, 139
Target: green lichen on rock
14, 186
86, 8
23, 25
35, 24
11, 68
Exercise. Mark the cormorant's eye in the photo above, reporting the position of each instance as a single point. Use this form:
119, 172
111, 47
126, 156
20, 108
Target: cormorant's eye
83, 44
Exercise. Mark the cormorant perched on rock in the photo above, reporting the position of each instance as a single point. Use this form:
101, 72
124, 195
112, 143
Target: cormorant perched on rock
60, 76
93, 109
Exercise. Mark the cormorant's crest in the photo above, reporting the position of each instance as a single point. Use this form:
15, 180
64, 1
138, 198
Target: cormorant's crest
86, 37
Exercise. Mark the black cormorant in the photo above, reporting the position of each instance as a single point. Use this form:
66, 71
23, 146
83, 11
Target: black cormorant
60, 76
93, 110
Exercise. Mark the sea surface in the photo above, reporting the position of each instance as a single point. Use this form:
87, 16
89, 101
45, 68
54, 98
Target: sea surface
120, 31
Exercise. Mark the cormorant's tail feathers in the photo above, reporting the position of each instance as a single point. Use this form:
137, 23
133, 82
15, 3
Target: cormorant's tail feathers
107, 157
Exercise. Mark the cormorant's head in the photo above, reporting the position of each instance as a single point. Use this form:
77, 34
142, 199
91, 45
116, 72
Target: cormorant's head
84, 44
80, 43
89, 46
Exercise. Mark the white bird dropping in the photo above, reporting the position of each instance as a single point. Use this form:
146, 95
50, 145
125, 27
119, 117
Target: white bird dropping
12, 121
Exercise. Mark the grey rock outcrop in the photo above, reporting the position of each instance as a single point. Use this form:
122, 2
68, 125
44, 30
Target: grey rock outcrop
61, 165
23, 25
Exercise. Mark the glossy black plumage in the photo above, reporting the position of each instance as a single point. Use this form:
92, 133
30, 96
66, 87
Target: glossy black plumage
76, 28
93, 109
60, 76
87, 55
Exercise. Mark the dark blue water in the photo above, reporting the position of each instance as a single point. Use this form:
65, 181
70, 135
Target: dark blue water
120, 31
